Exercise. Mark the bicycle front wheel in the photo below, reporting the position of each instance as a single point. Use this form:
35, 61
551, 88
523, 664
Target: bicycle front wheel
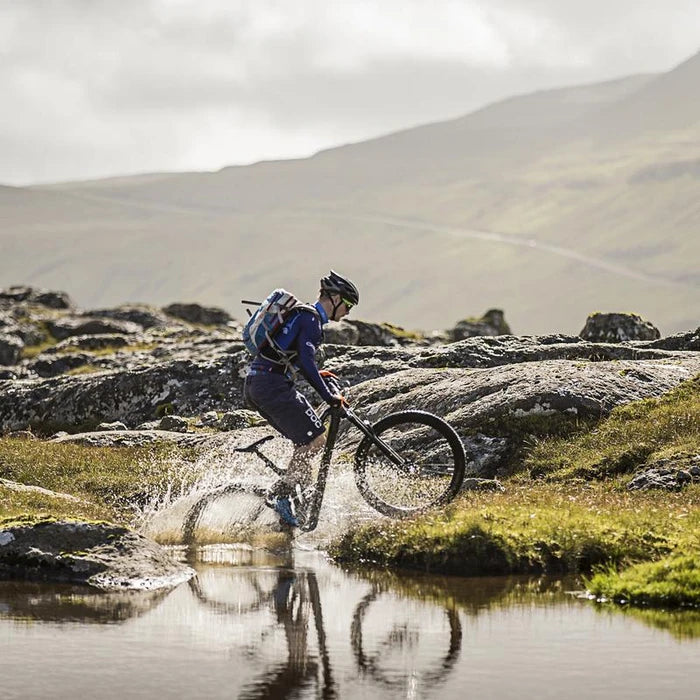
413, 461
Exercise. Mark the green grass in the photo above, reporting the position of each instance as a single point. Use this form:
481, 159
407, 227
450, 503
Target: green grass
673, 581
633, 435
533, 528
111, 480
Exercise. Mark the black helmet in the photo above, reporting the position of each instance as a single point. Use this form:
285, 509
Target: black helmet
335, 284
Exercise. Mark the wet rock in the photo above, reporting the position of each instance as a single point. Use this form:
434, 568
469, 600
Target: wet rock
65, 327
492, 323
176, 424
50, 299
617, 327
10, 349
196, 313
236, 420
116, 425
99, 554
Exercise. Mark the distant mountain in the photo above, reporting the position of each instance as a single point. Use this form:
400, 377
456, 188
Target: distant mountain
550, 205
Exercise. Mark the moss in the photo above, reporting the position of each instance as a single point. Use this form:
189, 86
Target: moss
545, 528
631, 437
164, 409
673, 581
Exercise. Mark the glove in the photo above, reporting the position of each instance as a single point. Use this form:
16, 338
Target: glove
338, 400
325, 373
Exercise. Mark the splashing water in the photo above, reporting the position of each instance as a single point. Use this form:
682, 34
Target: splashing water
220, 499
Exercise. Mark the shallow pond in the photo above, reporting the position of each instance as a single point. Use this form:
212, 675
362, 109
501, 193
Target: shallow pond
252, 626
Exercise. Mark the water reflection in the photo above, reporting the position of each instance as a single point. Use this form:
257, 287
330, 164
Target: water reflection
26, 601
255, 626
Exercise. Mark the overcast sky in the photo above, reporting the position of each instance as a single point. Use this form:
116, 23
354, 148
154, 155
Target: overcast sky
91, 88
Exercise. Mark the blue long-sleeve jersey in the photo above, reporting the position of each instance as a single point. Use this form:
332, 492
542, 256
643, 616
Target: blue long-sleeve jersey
303, 334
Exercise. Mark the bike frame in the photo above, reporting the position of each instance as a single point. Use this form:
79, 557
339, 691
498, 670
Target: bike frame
334, 415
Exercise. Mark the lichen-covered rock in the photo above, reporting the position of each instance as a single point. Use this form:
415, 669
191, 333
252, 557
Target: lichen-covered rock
141, 437
115, 425
50, 299
517, 400
62, 328
99, 554
55, 365
143, 315
383, 334
90, 342
679, 341
669, 473
236, 420
617, 327
196, 313
132, 396
209, 418
10, 349
342, 333
492, 323
176, 424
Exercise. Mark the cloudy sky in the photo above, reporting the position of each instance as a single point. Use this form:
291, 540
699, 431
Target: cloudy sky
93, 88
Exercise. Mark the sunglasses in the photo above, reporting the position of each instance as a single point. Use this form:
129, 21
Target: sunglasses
347, 303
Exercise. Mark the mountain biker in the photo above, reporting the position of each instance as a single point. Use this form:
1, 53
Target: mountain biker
270, 389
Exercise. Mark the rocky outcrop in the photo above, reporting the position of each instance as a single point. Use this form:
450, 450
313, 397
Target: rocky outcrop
196, 313
66, 327
145, 316
495, 409
669, 474
43, 297
99, 554
617, 327
493, 322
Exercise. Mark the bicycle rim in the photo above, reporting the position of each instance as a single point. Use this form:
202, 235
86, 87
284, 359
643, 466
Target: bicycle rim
432, 468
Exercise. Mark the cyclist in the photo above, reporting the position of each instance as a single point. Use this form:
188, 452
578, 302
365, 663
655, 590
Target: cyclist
270, 389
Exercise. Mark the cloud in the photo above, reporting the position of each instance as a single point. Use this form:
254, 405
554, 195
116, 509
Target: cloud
93, 87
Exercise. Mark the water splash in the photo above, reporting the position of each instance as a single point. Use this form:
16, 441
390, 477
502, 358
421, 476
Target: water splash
219, 498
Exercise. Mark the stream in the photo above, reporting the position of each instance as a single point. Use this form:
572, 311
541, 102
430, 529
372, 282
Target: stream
252, 625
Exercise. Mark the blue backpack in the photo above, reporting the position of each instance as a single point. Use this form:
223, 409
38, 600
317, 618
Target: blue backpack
265, 322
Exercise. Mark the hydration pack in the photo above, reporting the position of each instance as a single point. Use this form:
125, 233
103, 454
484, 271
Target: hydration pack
265, 322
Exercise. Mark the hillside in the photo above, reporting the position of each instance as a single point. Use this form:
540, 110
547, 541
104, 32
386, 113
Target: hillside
550, 205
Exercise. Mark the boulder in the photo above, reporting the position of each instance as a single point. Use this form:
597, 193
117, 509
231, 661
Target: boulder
195, 313
617, 327
176, 424
98, 554
71, 326
382, 334
141, 314
342, 333
139, 438
492, 323
236, 420
10, 349
55, 365
50, 299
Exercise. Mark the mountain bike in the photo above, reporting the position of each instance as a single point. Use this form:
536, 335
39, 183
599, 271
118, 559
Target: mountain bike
405, 463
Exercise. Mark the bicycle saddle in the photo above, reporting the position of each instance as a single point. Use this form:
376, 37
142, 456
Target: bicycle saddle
254, 445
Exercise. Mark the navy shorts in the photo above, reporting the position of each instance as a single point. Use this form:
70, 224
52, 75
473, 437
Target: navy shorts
287, 410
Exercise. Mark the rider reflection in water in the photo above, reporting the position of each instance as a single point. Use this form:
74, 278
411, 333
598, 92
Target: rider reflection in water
269, 388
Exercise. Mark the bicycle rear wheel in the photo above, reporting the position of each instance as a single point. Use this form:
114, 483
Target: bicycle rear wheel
431, 468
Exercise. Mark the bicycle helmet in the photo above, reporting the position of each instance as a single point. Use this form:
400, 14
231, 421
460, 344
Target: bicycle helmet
337, 284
